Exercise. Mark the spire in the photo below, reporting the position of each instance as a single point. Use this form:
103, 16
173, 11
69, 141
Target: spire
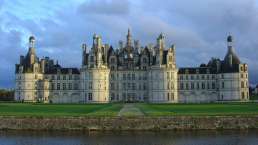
32, 45
129, 38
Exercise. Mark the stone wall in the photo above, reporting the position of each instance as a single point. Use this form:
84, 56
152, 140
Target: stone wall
133, 123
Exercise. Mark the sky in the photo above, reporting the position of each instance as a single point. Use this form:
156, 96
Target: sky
198, 28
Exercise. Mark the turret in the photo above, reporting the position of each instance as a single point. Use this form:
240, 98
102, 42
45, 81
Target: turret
84, 52
160, 48
231, 58
161, 42
42, 65
98, 49
32, 42
32, 54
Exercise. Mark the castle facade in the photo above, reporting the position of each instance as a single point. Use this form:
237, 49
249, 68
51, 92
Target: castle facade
130, 73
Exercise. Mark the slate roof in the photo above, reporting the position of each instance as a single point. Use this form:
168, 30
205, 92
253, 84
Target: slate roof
63, 71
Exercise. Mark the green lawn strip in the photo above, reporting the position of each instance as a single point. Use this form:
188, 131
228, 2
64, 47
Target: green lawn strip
199, 109
110, 111
11, 109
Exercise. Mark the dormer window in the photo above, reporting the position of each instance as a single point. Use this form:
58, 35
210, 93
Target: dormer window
170, 58
92, 58
112, 60
144, 60
70, 71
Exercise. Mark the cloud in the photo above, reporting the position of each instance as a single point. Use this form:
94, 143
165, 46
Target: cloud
198, 28
105, 7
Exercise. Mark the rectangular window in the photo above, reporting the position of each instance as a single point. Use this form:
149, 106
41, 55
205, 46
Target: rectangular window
90, 96
58, 86
64, 86
90, 85
181, 86
133, 86
70, 86
242, 84
129, 86
203, 86
192, 77
112, 77
144, 86
133, 76
192, 86
172, 86
76, 86
129, 76
213, 85
52, 86
187, 86
112, 86
198, 86
124, 86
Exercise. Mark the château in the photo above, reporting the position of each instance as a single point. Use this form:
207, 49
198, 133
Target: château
130, 73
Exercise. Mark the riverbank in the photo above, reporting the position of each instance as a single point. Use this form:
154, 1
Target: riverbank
128, 123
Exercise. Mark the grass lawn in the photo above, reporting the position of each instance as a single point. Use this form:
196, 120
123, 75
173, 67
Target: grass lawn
199, 109
53, 110
110, 110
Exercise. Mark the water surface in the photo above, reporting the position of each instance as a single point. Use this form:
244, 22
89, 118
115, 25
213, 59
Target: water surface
229, 137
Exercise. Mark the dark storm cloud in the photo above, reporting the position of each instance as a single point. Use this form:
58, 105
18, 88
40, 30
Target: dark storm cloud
9, 48
198, 28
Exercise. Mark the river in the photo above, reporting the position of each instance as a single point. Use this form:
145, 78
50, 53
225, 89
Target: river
204, 137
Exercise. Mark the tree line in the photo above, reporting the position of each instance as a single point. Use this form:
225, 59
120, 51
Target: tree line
6, 95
